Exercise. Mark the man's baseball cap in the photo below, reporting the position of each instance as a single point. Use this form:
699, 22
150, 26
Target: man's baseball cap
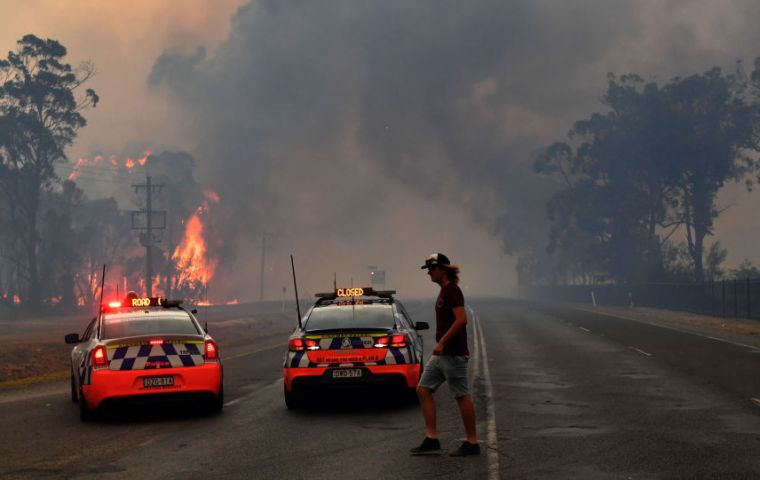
436, 260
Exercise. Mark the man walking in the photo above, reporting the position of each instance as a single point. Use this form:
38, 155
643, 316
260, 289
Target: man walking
449, 360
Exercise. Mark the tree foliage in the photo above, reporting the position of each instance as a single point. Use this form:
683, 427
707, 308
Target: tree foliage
40, 115
647, 169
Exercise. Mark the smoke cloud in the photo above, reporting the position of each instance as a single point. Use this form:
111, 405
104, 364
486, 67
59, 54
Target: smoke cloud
377, 132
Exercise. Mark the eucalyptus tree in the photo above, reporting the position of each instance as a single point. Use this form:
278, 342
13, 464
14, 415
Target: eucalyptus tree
648, 168
40, 115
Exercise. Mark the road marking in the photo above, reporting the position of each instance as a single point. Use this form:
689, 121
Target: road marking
642, 352
585, 329
755, 349
492, 439
756, 401
233, 402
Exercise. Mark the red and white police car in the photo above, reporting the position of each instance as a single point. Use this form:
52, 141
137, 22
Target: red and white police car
353, 337
144, 348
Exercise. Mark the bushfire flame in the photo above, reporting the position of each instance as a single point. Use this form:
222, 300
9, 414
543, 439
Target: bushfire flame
191, 258
128, 163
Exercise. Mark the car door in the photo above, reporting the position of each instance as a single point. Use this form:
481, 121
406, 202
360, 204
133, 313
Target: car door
405, 323
79, 352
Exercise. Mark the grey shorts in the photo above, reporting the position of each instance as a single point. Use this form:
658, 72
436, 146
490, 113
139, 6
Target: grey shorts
451, 368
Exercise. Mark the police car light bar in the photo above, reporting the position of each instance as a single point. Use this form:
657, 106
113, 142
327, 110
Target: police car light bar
356, 292
140, 302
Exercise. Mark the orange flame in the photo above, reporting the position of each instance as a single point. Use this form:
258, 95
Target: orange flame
190, 256
145, 156
129, 163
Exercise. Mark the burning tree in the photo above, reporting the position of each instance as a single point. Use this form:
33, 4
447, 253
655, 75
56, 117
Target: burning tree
191, 258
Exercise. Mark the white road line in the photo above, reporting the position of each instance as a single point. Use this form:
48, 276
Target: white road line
755, 349
492, 439
585, 329
642, 352
233, 402
756, 401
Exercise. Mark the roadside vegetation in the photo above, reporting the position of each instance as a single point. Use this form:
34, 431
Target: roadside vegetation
637, 183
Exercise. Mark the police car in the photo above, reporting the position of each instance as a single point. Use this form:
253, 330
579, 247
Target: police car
144, 348
353, 337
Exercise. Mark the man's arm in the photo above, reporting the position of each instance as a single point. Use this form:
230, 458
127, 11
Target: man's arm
460, 321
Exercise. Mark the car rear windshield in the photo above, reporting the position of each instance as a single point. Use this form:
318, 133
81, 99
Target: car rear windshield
350, 316
130, 326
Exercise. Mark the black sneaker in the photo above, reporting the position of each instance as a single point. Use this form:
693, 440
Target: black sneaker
466, 449
427, 447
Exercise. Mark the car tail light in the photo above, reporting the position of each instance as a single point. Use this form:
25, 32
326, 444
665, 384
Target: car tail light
398, 341
99, 357
382, 342
114, 304
311, 344
296, 345
211, 352
157, 341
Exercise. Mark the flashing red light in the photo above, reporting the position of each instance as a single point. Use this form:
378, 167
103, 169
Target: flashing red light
99, 358
394, 341
212, 353
114, 304
157, 341
296, 345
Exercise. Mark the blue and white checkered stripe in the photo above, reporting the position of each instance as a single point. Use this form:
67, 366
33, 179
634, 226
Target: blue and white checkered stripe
393, 356
143, 357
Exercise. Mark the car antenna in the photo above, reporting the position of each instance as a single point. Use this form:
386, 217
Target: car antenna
102, 287
295, 287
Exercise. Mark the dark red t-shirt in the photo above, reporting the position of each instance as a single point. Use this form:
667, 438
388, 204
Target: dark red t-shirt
450, 298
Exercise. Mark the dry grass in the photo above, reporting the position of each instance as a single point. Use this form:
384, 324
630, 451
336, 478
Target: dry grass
33, 350
732, 329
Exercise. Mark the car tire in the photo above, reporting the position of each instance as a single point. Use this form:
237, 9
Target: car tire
74, 395
411, 396
217, 404
85, 413
294, 399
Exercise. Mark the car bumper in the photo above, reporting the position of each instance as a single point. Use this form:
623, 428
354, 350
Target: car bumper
404, 374
119, 384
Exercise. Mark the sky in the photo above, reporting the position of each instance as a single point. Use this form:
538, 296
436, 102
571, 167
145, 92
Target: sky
374, 133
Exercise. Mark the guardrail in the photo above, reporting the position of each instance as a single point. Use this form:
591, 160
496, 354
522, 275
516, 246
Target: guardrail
737, 298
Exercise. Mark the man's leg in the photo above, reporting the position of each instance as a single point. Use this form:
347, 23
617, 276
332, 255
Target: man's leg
428, 411
467, 410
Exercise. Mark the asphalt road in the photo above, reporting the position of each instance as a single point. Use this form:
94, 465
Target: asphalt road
560, 393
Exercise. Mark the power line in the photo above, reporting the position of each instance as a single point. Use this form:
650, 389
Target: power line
147, 236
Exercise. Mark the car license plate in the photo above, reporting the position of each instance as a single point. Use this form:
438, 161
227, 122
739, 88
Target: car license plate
158, 381
347, 373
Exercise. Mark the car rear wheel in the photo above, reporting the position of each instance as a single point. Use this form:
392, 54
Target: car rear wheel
74, 396
85, 413
218, 402
294, 399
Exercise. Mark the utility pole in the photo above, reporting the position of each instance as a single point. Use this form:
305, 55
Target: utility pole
263, 263
150, 228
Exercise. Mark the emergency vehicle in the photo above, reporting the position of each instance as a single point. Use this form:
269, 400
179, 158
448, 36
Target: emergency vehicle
144, 349
353, 337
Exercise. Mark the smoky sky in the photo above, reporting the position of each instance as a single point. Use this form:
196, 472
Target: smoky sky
314, 119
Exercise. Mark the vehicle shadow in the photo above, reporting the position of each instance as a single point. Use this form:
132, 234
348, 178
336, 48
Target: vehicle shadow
348, 400
149, 412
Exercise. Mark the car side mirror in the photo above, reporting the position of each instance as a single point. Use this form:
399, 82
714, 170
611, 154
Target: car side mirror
421, 326
194, 311
72, 338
